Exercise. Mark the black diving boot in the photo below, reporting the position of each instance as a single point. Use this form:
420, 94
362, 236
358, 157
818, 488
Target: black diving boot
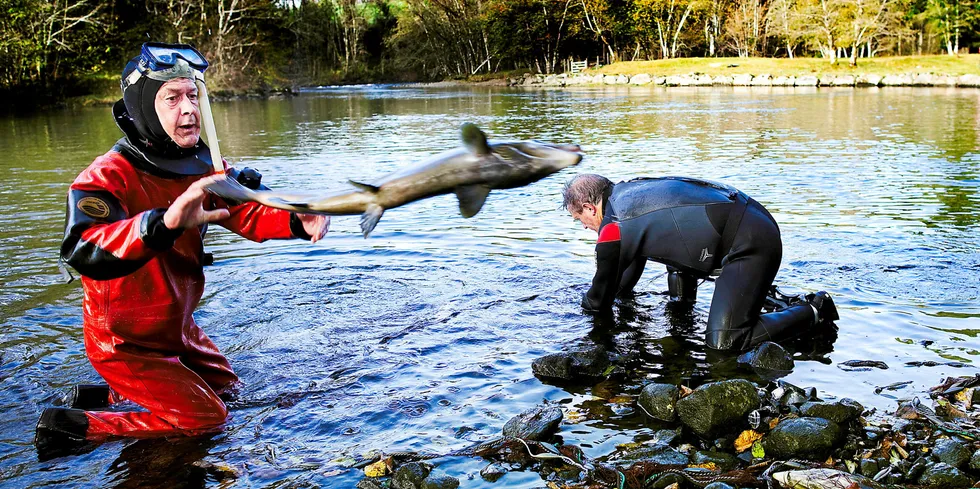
824, 305
89, 397
61, 432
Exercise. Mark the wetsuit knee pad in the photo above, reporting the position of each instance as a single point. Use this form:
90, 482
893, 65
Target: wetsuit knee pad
682, 286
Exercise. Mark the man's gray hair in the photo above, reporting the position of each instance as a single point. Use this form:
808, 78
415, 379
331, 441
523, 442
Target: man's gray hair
587, 188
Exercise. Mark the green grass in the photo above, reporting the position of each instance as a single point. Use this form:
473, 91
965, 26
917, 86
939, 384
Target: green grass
944, 65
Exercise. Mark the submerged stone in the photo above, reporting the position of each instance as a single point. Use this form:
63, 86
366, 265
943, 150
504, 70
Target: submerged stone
722, 460
410, 475
590, 363
840, 412
439, 480
768, 359
534, 424
718, 407
802, 438
493, 472
951, 452
944, 476
660, 401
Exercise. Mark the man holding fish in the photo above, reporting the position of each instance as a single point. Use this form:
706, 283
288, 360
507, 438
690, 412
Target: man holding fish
135, 227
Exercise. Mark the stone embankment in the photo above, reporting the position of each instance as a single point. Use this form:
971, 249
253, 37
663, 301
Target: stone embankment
747, 80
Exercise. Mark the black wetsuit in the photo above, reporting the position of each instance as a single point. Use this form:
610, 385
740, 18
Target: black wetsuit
697, 227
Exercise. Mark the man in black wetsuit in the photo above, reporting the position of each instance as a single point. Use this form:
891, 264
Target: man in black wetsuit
697, 228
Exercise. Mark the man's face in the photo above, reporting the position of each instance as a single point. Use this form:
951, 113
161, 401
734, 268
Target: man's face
176, 106
589, 215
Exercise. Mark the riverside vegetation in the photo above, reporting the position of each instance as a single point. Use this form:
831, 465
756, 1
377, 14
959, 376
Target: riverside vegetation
53, 50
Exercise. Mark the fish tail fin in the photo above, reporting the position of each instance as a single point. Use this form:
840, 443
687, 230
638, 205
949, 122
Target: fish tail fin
367, 187
370, 218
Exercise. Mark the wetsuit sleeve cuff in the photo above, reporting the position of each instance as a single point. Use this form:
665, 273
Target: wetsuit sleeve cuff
155, 233
296, 227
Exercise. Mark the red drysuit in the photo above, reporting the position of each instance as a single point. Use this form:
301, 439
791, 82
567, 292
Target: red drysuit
142, 283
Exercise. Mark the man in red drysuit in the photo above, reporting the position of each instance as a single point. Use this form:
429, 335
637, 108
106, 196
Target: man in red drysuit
135, 227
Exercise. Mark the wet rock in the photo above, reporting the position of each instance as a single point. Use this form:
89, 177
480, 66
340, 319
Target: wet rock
975, 461
944, 476
840, 412
659, 80
622, 80
657, 453
439, 480
534, 424
823, 478
844, 81
666, 480
641, 79
951, 452
369, 483
768, 359
659, 401
718, 407
493, 472
676, 81
869, 467
718, 485
598, 79
722, 460
610, 79
410, 475
589, 363
802, 438
665, 437
786, 394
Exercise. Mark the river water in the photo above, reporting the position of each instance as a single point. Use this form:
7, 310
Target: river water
421, 337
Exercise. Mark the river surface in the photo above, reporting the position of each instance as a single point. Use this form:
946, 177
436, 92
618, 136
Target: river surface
421, 337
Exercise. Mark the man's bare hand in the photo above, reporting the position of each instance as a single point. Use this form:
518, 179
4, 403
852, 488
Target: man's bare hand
187, 211
315, 225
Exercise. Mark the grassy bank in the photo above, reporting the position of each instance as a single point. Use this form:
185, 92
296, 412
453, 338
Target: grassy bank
945, 65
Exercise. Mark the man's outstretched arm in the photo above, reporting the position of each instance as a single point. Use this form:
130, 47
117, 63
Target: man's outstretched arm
607, 277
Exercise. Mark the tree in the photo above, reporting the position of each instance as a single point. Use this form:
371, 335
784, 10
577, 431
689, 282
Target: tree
663, 21
746, 26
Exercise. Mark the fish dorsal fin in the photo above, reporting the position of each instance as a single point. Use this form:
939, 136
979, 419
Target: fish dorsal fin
474, 139
471, 199
367, 187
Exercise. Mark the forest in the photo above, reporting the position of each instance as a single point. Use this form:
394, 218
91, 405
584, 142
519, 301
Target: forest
62, 48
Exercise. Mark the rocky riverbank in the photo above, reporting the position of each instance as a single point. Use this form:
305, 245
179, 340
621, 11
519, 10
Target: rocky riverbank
729, 434
749, 80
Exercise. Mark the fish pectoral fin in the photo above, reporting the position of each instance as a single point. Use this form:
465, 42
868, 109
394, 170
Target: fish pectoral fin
367, 187
471, 199
474, 139
370, 218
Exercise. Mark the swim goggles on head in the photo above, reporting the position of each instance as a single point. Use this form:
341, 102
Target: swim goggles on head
162, 62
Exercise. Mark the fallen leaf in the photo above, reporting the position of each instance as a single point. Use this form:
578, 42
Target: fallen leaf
377, 469
706, 465
673, 486
829, 462
621, 400
746, 439
685, 391
773, 422
758, 451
